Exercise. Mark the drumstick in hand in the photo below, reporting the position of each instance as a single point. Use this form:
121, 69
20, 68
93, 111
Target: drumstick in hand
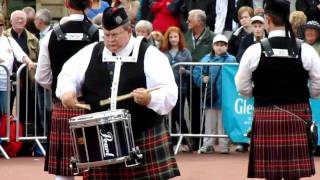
84, 106
124, 97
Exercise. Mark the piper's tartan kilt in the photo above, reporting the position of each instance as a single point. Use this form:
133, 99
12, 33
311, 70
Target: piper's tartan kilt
279, 147
60, 147
158, 160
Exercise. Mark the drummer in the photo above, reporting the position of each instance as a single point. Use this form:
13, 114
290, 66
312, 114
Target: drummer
92, 79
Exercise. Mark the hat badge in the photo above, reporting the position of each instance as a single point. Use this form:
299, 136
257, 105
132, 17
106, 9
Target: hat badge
118, 20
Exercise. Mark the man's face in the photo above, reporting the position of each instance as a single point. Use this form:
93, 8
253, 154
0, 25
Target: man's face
258, 29
311, 36
38, 23
116, 39
142, 31
192, 21
19, 20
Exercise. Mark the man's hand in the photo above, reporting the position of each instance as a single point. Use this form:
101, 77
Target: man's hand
141, 96
29, 62
258, 10
205, 79
32, 65
182, 70
69, 99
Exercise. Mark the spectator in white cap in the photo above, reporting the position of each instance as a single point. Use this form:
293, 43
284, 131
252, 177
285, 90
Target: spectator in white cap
209, 79
258, 32
312, 35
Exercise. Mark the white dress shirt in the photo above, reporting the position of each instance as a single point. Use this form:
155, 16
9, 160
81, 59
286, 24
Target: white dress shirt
43, 73
221, 15
250, 61
44, 32
7, 53
156, 68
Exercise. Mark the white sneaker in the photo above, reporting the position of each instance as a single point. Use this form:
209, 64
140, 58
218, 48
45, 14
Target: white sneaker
241, 148
205, 150
184, 148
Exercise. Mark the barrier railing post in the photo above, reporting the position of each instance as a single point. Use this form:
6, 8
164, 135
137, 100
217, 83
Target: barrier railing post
7, 138
18, 99
35, 137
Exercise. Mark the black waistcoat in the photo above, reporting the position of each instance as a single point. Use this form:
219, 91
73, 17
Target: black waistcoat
280, 81
97, 86
61, 51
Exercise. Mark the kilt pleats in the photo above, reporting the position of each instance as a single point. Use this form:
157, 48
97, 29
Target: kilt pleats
279, 147
158, 160
60, 148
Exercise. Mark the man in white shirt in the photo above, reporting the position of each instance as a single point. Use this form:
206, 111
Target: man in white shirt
56, 47
281, 74
149, 68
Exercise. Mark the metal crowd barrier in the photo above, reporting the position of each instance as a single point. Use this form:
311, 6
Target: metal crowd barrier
6, 137
29, 135
188, 115
35, 136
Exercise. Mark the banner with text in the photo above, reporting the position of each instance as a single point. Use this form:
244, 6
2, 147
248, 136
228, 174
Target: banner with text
237, 111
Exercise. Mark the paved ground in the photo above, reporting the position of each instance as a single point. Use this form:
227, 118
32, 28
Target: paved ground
193, 167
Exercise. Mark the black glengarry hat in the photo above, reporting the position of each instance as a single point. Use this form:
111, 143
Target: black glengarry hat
79, 4
277, 7
114, 17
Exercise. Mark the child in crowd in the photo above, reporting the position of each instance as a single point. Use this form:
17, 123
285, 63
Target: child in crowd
157, 38
312, 34
211, 77
174, 47
297, 20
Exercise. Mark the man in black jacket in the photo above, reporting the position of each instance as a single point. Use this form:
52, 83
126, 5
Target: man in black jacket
310, 7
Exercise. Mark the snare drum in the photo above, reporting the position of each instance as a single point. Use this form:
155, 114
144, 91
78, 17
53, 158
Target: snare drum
103, 138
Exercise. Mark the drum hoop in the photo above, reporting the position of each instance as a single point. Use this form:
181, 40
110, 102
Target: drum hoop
99, 118
103, 162
90, 123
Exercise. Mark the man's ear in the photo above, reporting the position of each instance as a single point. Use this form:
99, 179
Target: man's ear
66, 3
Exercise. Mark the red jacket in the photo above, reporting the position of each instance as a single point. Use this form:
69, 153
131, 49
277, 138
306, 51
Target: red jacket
164, 18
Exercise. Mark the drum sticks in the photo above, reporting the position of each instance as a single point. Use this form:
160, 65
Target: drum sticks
83, 106
107, 101
123, 97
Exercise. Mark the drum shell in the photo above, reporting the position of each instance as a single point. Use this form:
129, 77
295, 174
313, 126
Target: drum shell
102, 138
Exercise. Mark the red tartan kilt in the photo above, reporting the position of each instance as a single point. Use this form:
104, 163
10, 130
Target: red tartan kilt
60, 147
279, 147
159, 161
